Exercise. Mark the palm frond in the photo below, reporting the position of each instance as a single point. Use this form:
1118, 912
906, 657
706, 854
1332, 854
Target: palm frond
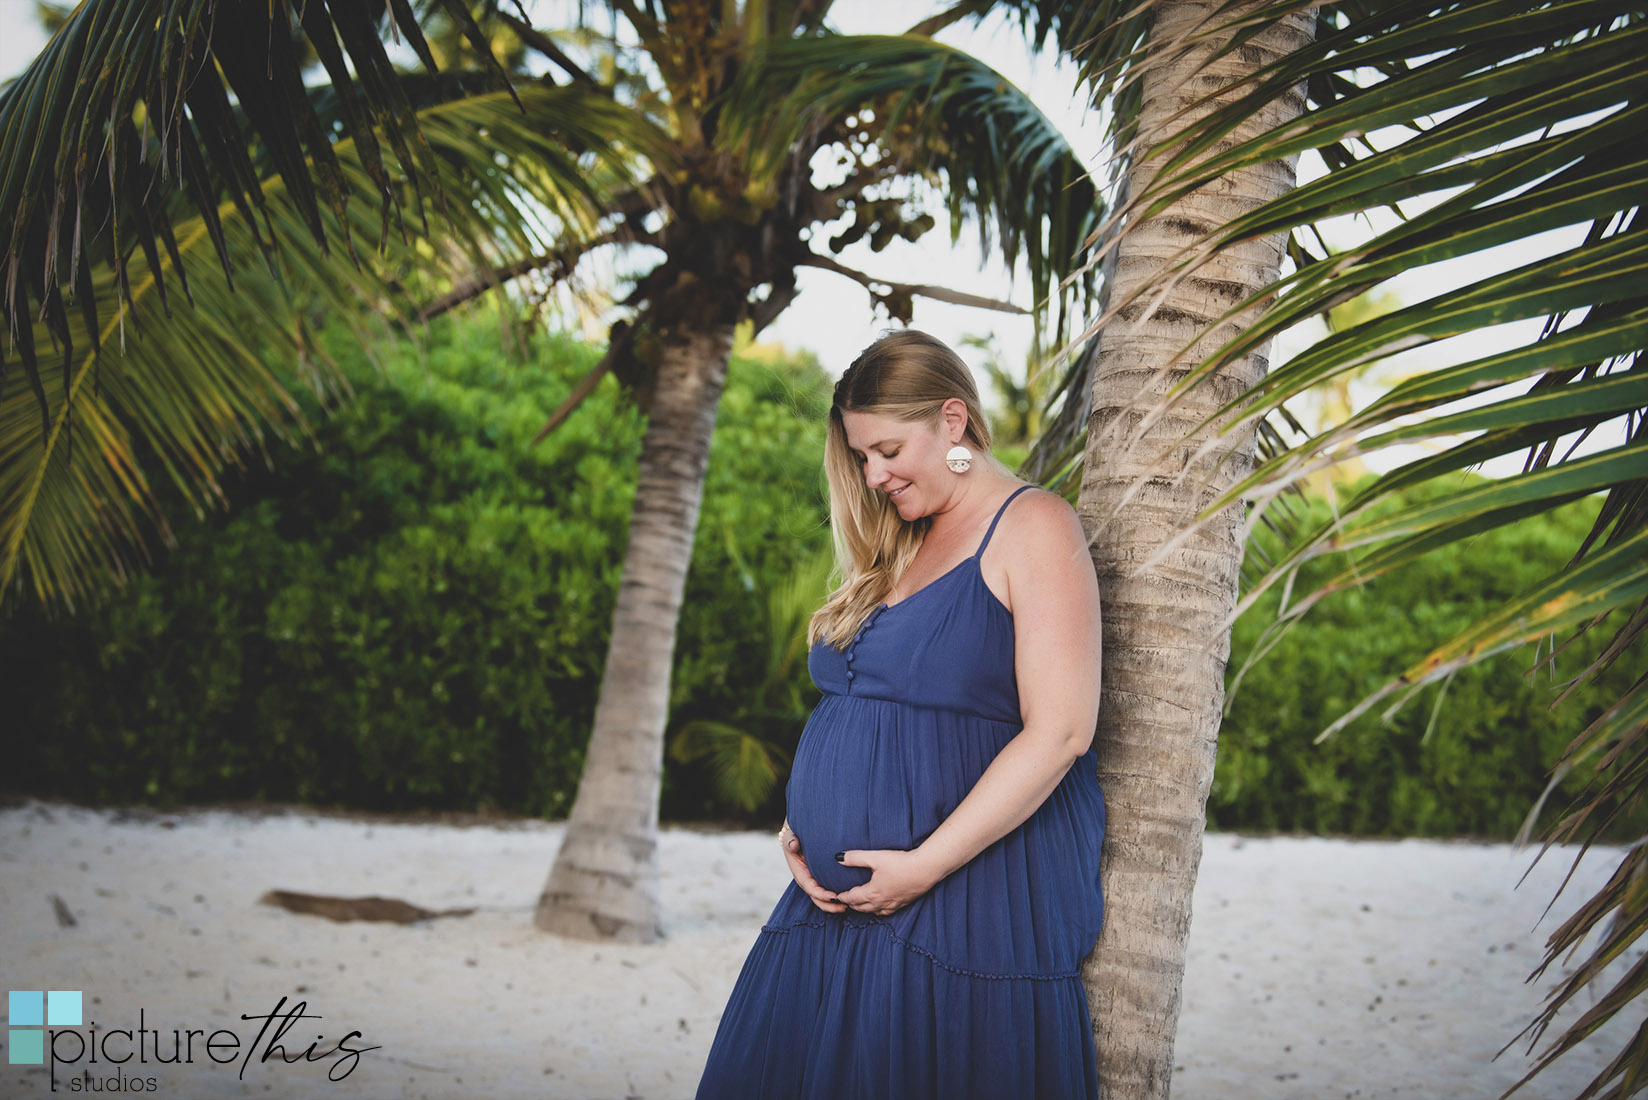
196, 392
1105, 37
1615, 748
129, 105
790, 608
940, 112
746, 766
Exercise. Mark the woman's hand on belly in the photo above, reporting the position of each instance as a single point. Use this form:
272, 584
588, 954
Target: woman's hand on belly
896, 879
803, 875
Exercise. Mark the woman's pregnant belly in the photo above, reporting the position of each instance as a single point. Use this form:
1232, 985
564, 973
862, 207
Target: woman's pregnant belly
873, 774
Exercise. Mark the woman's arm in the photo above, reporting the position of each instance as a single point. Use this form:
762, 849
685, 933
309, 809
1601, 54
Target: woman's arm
1053, 594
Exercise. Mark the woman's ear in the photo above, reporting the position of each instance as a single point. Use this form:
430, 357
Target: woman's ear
953, 414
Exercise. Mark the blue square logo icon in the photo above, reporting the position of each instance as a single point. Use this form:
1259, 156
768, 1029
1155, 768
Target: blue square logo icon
26, 1047
26, 1037
24, 1007
63, 1008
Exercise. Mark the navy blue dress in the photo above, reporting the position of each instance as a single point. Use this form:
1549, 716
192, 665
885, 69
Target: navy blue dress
973, 990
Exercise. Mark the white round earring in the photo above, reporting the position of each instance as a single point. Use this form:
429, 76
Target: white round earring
958, 458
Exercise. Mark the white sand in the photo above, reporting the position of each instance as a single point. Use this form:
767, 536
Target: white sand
1317, 968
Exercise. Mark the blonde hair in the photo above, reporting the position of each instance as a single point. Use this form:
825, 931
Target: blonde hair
906, 375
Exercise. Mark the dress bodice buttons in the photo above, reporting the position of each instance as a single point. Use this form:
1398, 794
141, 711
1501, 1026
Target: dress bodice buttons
852, 647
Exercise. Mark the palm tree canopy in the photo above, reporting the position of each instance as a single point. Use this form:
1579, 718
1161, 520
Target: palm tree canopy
217, 147
80, 152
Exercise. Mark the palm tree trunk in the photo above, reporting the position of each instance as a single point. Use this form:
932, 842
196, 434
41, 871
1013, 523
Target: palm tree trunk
604, 884
1167, 614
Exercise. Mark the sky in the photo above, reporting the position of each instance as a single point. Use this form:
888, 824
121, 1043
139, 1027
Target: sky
20, 36
832, 316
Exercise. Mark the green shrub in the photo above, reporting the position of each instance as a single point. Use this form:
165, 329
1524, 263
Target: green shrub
415, 615
1485, 762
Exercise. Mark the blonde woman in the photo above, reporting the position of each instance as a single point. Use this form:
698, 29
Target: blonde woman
944, 819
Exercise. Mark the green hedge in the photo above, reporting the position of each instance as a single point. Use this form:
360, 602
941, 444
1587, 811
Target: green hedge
1485, 762
416, 615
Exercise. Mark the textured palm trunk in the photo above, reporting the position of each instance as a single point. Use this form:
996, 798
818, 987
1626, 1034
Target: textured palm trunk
1167, 615
604, 884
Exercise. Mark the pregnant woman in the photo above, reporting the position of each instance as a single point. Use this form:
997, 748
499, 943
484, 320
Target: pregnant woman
944, 818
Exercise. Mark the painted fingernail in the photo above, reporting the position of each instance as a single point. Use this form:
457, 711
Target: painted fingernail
841, 857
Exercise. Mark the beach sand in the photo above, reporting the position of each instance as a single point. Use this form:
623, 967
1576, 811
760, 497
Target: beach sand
1317, 968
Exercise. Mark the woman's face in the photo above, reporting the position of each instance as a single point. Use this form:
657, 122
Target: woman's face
903, 459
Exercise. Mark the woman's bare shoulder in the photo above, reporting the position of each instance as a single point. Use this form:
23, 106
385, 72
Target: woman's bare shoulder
1045, 561
1040, 516
1041, 540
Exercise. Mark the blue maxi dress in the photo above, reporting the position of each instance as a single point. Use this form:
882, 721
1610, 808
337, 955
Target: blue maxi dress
974, 990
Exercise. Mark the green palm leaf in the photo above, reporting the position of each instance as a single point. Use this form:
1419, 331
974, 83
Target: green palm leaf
195, 393
746, 766
938, 112
129, 103
750, 751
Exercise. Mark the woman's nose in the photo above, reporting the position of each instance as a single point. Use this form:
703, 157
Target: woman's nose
874, 472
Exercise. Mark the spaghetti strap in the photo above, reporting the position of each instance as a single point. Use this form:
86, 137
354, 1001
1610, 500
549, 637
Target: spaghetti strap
979, 553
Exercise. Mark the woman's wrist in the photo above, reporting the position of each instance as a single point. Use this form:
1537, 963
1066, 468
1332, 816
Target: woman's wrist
932, 864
